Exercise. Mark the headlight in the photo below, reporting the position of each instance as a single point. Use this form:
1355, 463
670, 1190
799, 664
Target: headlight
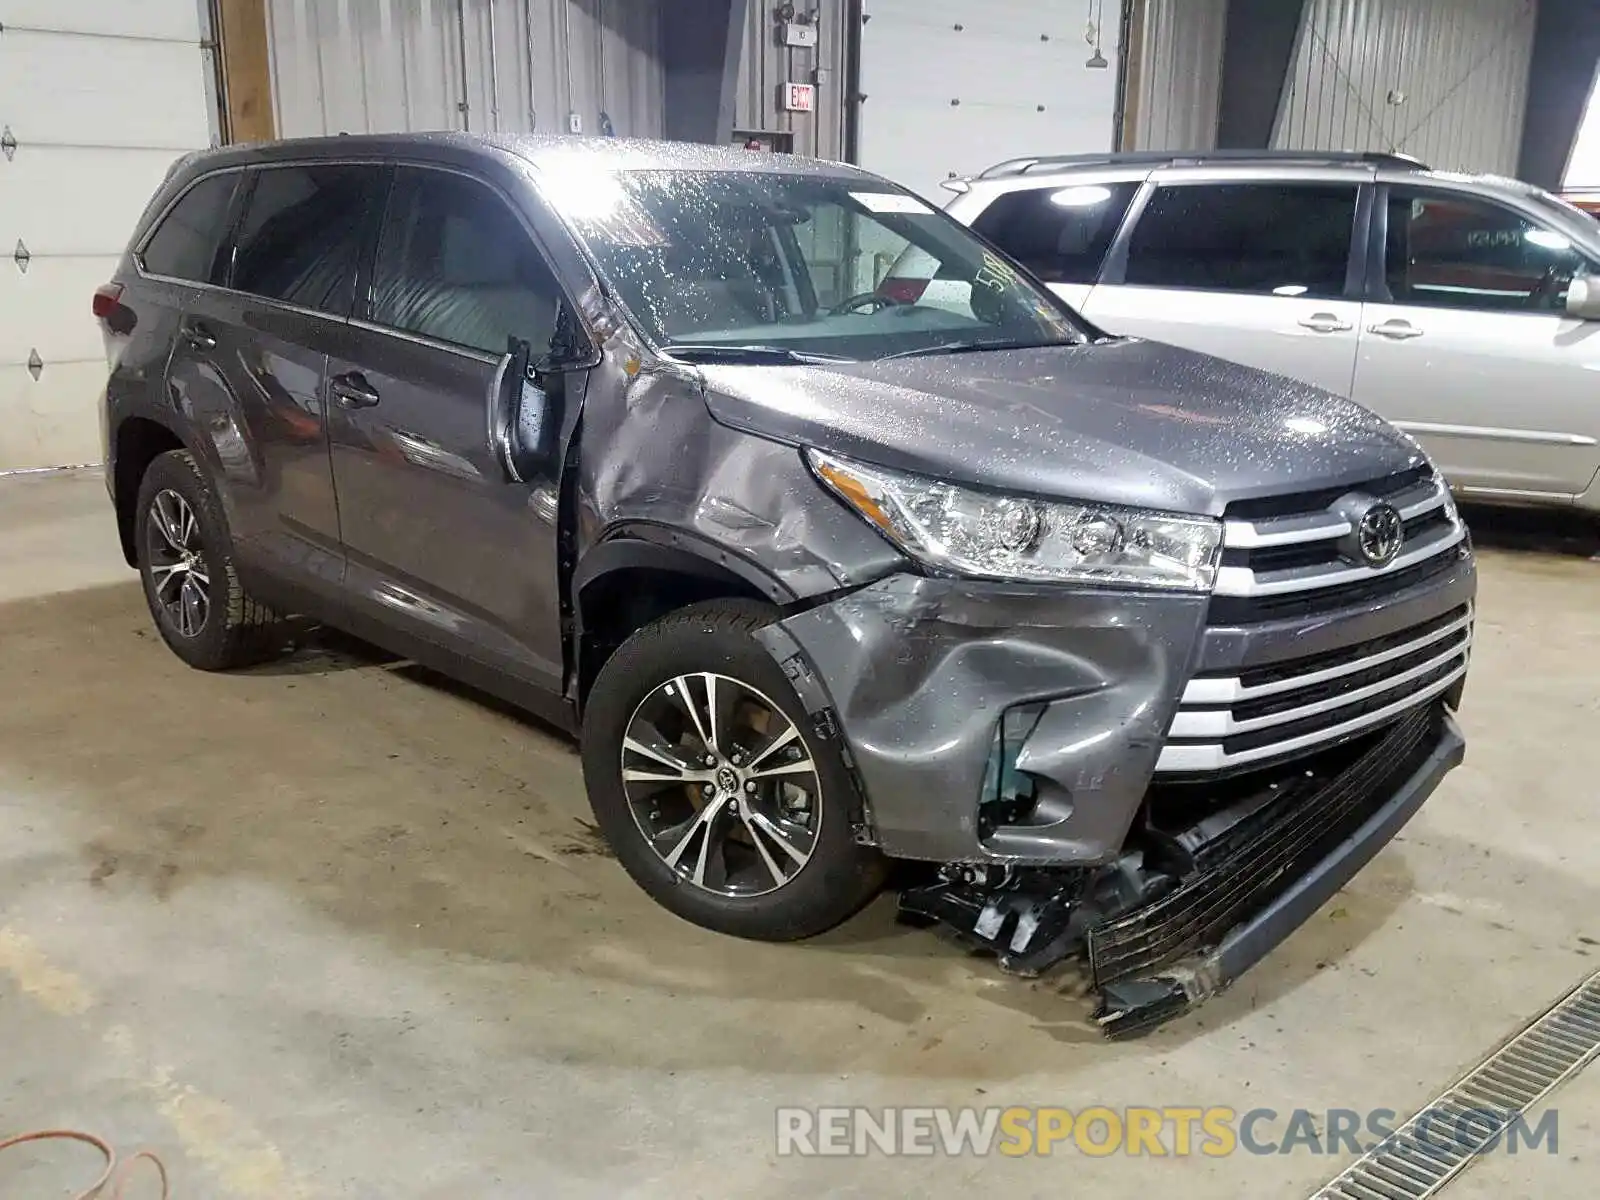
969, 532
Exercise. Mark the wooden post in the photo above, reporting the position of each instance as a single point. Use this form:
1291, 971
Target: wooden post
246, 70
1127, 134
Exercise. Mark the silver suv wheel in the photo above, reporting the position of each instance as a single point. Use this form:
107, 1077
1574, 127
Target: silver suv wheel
722, 785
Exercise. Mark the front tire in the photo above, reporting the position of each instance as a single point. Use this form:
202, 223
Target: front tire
186, 563
709, 782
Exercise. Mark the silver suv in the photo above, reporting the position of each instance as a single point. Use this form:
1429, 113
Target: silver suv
1464, 309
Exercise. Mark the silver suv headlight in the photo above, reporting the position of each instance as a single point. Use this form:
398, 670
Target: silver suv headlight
969, 532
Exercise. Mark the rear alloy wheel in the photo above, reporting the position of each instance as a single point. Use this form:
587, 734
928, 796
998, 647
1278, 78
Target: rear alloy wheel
178, 569
712, 786
186, 561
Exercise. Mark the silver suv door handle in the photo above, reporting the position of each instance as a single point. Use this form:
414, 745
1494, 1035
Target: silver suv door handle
1326, 323
1398, 330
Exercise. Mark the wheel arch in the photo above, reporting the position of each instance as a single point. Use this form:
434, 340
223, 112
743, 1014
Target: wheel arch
641, 573
138, 441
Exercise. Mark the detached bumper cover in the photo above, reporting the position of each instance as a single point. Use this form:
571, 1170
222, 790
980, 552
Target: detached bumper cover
1265, 878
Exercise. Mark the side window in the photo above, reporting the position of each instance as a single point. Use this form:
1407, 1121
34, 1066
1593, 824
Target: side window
184, 245
454, 263
1457, 252
1061, 234
300, 238
1260, 239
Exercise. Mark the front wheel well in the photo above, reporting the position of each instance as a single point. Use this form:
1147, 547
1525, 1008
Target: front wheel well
616, 605
140, 441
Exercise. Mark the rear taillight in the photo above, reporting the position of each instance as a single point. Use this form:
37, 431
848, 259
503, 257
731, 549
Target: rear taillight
903, 291
107, 299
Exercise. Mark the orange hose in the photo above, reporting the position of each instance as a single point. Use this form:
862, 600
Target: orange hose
111, 1170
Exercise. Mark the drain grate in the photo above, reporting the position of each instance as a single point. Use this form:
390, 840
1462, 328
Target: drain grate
1441, 1140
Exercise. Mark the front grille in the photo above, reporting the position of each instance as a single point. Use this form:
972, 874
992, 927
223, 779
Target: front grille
1242, 872
1303, 503
1296, 555
1229, 722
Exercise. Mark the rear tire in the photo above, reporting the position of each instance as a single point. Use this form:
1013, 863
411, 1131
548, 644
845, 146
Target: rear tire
775, 811
185, 555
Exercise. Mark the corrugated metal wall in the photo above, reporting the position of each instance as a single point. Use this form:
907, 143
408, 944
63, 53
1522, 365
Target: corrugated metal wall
1178, 75
765, 66
368, 66
1446, 82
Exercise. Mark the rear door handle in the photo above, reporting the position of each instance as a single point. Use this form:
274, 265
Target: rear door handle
199, 337
1398, 330
1326, 323
353, 390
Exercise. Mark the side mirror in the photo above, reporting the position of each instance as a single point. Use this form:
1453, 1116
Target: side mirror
1583, 298
524, 418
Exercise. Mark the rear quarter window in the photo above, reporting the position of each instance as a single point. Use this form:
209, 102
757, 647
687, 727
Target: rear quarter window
300, 237
184, 244
1060, 233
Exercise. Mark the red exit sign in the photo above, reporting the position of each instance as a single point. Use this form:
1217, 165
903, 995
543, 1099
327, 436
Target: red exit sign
799, 97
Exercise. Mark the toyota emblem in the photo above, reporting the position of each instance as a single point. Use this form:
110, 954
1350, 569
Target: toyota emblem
1379, 534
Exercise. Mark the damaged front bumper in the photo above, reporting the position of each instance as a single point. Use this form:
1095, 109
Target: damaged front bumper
945, 695
1158, 937
921, 675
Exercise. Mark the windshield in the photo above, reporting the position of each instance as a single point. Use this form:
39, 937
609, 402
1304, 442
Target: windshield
794, 265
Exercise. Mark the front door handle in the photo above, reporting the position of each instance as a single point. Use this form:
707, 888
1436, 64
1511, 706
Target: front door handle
1326, 323
199, 337
353, 390
1397, 330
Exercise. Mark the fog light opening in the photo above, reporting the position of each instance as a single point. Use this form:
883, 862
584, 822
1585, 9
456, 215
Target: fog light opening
1009, 796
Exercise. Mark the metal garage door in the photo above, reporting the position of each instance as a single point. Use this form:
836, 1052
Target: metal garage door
953, 86
96, 100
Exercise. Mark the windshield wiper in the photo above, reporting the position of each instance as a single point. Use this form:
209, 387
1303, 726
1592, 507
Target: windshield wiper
721, 352
963, 347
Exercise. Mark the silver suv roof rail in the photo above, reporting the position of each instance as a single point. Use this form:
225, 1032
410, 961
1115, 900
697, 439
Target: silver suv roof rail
1153, 158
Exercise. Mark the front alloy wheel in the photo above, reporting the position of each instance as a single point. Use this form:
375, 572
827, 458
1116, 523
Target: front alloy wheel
178, 570
719, 782
713, 786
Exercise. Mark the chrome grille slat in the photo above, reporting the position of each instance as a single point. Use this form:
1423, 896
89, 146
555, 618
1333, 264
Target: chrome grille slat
1286, 531
1234, 691
1323, 526
1245, 581
1327, 527
1431, 1149
1198, 736
1222, 723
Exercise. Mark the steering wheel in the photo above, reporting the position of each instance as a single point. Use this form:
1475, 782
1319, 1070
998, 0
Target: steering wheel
876, 300
1548, 288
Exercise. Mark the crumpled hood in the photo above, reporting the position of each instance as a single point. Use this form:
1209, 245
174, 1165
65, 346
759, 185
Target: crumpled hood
1120, 422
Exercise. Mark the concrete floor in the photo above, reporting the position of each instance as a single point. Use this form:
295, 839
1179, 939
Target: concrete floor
330, 929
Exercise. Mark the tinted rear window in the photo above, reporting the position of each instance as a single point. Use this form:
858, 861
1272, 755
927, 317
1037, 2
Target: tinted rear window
1268, 239
1061, 234
184, 245
300, 239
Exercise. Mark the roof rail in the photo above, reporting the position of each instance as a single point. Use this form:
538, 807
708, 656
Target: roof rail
1157, 158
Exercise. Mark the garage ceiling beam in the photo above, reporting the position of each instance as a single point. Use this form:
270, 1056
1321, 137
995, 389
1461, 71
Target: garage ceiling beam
1566, 51
246, 70
702, 42
1259, 45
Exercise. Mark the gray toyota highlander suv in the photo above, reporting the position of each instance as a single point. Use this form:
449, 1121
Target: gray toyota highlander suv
1139, 653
